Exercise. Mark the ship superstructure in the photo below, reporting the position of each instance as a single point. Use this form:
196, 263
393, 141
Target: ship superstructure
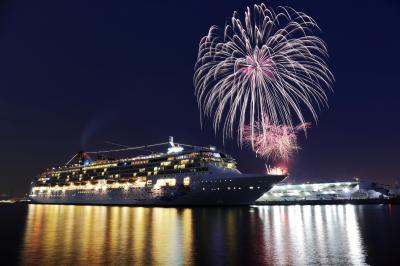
190, 176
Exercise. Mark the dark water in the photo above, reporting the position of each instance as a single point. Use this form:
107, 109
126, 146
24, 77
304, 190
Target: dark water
290, 235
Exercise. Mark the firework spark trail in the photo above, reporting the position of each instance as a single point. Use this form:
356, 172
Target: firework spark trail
276, 142
269, 63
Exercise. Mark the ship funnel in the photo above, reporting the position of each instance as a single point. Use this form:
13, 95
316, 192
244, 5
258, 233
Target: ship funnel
84, 158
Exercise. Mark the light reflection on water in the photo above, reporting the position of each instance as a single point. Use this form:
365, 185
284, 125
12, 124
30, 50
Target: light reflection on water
307, 235
291, 235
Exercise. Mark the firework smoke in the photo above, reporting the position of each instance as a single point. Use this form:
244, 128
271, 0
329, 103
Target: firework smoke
266, 66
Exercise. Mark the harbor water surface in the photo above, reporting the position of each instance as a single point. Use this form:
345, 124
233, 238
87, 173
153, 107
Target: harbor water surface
257, 235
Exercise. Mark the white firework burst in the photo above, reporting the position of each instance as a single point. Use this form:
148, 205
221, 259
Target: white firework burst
270, 65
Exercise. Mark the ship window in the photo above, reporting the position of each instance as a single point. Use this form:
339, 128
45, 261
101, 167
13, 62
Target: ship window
165, 182
186, 181
230, 165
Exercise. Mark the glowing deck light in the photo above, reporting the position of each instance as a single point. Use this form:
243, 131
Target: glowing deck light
175, 149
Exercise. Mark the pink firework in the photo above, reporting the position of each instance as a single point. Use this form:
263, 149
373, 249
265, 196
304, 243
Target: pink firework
276, 142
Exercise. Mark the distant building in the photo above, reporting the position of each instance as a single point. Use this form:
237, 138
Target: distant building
327, 191
396, 188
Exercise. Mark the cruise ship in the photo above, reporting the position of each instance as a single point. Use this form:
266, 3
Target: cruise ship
184, 175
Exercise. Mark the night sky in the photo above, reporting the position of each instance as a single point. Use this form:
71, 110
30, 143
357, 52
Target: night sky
74, 74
